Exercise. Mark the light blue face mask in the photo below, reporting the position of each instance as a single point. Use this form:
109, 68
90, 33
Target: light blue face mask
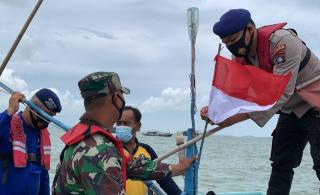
124, 133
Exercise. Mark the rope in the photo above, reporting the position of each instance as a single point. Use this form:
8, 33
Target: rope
202, 142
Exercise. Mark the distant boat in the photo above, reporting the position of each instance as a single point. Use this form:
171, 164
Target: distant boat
157, 133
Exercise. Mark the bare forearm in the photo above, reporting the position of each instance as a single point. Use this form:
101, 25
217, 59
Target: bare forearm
176, 170
234, 119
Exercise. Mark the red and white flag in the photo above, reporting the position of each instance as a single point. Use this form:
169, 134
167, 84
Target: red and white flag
240, 88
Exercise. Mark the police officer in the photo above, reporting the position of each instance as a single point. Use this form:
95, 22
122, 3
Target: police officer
25, 145
279, 51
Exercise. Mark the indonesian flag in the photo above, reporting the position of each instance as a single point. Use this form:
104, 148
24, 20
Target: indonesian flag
240, 88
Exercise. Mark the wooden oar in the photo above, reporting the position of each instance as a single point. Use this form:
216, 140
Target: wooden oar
188, 143
20, 35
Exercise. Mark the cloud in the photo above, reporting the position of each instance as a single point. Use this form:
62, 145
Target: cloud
9, 78
146, 42
171, 99
13, 2
99, 34
28, 50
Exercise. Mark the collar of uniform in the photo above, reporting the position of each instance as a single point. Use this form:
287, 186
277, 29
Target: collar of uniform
86, 120
135, 149
137, 146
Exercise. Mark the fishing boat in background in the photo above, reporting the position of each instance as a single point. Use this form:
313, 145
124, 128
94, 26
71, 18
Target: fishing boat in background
157, 133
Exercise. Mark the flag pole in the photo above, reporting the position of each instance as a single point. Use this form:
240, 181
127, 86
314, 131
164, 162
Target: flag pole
206, 125
19, 37
219, 49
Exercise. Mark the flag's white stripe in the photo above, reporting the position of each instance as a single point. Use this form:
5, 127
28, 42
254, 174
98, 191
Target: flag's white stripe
221, 106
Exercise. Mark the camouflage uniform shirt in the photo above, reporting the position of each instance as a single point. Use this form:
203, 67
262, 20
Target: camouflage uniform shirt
93, 166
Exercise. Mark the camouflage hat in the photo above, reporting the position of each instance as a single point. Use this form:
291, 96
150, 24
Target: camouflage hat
99, 83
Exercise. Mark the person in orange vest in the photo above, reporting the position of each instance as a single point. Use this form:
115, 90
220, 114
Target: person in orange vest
279, 51
126, 130
94, 161
25, 145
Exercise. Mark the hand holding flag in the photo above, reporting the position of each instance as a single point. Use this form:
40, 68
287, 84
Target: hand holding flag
240, 88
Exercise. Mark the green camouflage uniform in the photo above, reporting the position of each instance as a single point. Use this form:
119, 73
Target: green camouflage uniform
93, 165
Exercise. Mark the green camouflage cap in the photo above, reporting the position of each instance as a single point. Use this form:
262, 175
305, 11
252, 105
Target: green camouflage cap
99, 83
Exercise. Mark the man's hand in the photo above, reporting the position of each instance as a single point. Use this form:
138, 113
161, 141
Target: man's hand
226, 123
14, 100
204, 113
180, 168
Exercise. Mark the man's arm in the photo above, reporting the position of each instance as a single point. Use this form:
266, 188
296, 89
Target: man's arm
5, 117
237, 118
167, 184
287, 58
142, 168
4, 123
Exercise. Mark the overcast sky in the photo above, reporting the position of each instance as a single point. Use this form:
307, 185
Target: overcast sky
145, 41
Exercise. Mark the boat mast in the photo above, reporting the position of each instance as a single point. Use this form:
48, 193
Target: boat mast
191, 175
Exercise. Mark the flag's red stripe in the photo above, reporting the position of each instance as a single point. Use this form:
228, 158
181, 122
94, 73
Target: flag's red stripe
248, 82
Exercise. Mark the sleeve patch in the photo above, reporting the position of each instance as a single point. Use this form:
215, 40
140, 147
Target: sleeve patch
279, 54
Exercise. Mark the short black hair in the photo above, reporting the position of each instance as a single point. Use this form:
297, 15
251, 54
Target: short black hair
96, 101
136, 112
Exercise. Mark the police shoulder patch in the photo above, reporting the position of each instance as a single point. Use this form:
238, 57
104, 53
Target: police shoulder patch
279, 54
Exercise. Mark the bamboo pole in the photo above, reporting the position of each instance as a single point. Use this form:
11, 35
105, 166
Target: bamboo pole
19, 37
188, 143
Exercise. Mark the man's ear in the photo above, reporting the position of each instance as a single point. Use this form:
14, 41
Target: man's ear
139, 126
250, 28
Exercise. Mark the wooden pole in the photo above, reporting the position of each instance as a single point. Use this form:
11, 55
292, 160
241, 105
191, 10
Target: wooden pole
20, 35
188, 143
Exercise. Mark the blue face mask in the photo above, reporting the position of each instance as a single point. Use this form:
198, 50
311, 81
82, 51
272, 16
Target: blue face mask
124, 133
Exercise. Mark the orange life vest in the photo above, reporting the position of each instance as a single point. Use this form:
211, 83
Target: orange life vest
18, 137
263, 46
82, 131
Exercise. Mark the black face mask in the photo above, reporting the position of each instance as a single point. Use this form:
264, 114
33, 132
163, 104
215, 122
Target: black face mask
120, 110
36, 121
239, 48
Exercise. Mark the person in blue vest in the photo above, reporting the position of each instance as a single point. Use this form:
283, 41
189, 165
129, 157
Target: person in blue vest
131, 120
279, 51
25, 145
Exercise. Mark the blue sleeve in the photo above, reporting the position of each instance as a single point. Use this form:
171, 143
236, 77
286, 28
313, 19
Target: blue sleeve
4, 123
44, 183
167, 184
